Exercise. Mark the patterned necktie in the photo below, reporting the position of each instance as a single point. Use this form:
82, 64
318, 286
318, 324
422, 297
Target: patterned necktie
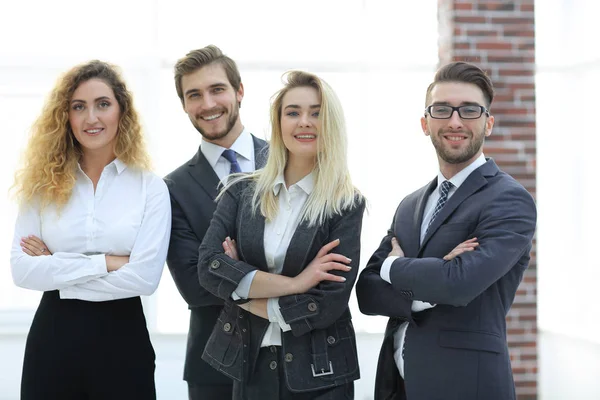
444, 190
231, 156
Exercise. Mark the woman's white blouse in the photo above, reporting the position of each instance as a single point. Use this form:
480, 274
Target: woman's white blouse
128, 215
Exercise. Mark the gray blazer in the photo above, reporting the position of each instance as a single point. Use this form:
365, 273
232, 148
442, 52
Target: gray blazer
320, 350
193, 188
456, 350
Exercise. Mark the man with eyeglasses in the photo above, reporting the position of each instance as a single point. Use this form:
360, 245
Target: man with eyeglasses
448, 270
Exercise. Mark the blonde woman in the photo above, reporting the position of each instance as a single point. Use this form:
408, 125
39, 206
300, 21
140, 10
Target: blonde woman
283, 251
92, 234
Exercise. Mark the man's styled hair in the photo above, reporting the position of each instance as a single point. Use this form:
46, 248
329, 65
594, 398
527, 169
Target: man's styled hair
196, 59
464, 72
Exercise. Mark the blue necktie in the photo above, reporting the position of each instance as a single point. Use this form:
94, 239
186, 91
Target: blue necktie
444, 190
231, 156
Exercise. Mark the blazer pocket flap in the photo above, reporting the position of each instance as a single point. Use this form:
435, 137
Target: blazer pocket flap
472, 340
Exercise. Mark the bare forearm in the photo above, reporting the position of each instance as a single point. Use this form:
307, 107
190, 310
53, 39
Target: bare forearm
265, 285
113, 263
257, 307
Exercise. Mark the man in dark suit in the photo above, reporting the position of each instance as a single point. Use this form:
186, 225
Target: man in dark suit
210, 89
447, 272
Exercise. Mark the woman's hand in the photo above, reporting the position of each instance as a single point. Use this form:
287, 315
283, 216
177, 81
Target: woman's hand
319, 267
230, 248
34, 246
467, 245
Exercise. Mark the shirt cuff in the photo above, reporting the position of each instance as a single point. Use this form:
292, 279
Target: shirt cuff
385, 268
274, 314
418, 305
99, 263
243, 288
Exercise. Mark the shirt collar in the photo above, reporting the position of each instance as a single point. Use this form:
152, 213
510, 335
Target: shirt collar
119, 166
307, 184
243, 145
462, 176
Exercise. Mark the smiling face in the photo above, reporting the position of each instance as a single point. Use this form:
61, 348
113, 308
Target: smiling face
94, 115
457, 141
211, 103
300, 125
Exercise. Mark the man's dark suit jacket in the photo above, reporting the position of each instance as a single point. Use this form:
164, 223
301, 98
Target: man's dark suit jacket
193, 189
456, 350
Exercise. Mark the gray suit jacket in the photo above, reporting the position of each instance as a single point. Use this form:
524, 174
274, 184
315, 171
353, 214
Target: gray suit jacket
193, 188
456, 350
320, 350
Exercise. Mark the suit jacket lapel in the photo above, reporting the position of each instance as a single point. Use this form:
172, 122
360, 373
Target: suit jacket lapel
412, 247
475, 181
261, 151
203, 173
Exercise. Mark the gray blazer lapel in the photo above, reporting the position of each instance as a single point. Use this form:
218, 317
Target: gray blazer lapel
299, 249
202, 172
251, 234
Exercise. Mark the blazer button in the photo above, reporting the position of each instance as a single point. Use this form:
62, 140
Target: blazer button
227, 327
273, 364
330, 340
215, 264
312, 307
289, 357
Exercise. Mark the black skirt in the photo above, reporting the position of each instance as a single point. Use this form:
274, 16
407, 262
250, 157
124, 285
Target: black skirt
88, 350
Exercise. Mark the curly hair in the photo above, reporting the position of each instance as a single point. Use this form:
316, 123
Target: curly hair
52, 153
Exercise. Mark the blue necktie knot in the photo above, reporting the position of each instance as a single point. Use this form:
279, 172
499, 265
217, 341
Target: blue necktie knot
231, 156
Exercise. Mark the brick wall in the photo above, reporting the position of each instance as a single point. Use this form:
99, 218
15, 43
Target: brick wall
499, 37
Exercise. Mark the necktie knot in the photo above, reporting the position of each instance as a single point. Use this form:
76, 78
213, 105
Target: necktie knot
231, 156
445, 188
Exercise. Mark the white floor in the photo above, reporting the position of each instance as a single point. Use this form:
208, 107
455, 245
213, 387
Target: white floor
569, 369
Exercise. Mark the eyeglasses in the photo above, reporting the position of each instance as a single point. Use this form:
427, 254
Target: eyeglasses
465, 112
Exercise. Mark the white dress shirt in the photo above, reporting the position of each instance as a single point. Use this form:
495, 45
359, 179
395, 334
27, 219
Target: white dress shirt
243, 146
129, 214
417, 305
277, 237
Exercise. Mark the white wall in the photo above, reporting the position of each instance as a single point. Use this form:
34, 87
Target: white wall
379, 59
567, 85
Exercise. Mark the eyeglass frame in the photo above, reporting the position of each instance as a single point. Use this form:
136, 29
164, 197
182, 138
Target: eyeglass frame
482, 108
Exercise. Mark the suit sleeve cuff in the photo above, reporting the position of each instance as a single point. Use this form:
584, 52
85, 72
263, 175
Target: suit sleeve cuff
385, 268
274, 314
243, 289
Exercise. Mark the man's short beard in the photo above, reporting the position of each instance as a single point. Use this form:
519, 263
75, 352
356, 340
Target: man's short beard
231, 121
466, 155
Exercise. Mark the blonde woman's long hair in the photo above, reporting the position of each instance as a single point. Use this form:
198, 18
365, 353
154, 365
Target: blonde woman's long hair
52, 153
333, 191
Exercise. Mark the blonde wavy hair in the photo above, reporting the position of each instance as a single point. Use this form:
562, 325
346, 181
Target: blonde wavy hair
52, 153
333, 191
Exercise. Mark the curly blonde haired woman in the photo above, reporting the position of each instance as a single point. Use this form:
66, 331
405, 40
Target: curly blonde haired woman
92, 234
